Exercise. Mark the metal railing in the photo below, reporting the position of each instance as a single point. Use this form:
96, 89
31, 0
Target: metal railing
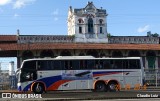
7, 82
152, 77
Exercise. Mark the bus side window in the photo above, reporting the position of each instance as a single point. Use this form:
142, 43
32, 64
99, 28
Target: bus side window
75, 64
125, 64
90, 64
71, 65
101, 64
118, 64
96, 64
112, 64
138, 64
68, 65
45, 65
134, 64
82, 64
107, 64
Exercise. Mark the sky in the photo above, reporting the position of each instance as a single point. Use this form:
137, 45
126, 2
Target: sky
49, 17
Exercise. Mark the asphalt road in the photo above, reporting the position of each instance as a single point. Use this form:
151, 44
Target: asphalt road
88, 95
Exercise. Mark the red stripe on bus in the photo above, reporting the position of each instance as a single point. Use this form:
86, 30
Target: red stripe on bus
56, 85
105, 74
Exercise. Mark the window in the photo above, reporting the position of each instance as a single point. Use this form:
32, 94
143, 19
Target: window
131, 64
100, 21
116, 64
119, 64
101, 30
134, 64
57, 65
80, 21
82, 64
45, 65
30, 65
67, 65
87, 64
106, 64
75, 64
90, 25
98, 64
125, 64
70, 64
90, 64
28, 75
80, 29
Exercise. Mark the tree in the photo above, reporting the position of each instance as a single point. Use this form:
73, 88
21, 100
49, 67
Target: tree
155, 35
152, 35
109, 35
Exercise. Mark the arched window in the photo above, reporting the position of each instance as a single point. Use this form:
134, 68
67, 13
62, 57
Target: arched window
92, 53
100, 21
65, 53
117, 54
134, 53
90, 25
27, 55
46, 53
80, 21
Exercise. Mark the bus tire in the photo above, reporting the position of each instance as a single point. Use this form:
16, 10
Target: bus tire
112, 87
38, 88
100, 87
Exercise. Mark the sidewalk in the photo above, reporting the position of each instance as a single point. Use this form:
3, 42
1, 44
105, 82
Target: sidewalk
8, 91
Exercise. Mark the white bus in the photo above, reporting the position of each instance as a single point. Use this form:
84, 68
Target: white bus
79, 72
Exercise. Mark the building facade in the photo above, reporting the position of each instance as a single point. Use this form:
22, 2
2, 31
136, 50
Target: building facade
88, 24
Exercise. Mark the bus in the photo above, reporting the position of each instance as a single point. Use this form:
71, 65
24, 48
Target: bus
79, 73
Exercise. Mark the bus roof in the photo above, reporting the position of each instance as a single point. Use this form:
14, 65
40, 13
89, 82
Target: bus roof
79, 57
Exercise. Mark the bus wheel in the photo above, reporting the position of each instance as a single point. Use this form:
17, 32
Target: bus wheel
112, 87
100, 86
38, 88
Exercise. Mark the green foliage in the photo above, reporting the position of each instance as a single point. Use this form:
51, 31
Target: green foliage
153, 35
109, 35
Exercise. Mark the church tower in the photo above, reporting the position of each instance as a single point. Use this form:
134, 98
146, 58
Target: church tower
88, 24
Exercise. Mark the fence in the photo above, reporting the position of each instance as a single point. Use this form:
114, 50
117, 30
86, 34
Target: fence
7, 82
152, 77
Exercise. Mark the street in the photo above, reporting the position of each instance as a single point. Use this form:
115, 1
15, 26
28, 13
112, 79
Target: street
88, 95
